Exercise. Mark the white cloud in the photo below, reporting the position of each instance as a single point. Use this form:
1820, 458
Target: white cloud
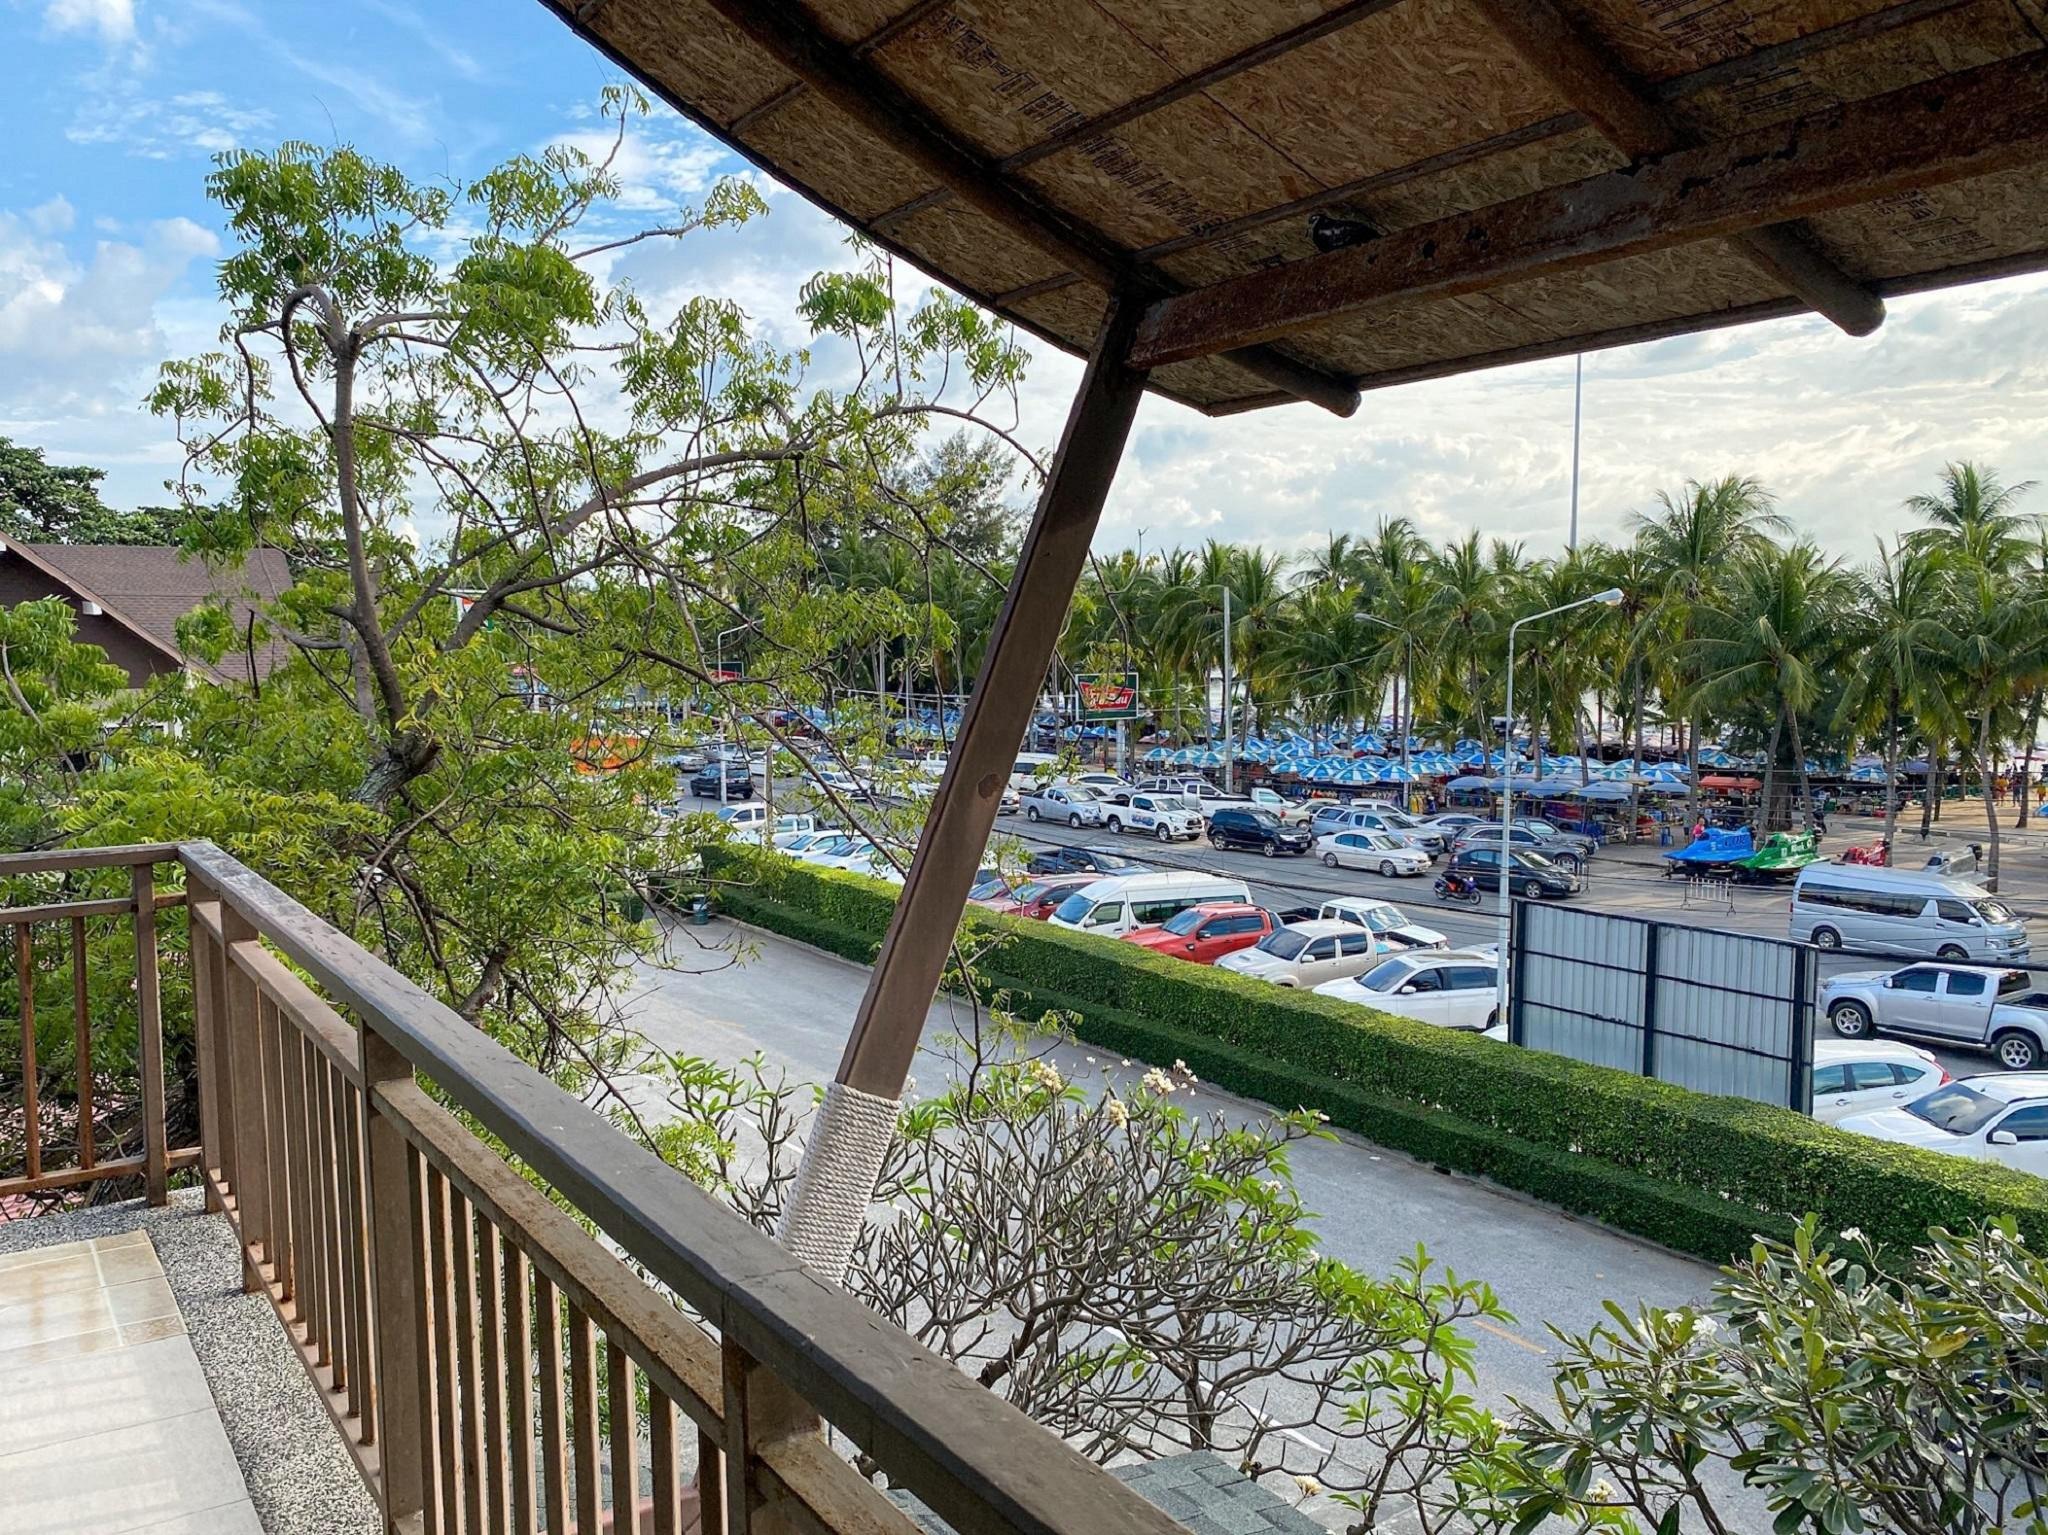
188, 123
113, 20
52, 217
657, 169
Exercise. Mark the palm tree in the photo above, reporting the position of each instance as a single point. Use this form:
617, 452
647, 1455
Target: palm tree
1975, 516
1996, 647
1689, 543
1903, 632
1465, 607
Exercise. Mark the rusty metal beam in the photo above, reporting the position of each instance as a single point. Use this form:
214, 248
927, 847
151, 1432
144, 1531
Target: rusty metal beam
1624, 114
893, 115
1975, 123
956, 832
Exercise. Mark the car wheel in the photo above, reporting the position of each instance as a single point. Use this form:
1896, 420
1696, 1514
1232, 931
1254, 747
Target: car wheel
1030, 812
1569, 864
1826, 938
1329, 860
1851, 1020
1387, 868
1116, 824
1532, 891
1951, 951
1165, 832
2016, 1051
1074, 819
1270, 849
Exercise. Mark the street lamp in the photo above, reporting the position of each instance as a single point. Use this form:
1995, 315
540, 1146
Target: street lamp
1608, 598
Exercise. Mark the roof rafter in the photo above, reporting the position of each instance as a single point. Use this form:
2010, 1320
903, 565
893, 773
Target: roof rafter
1970, 124
875, 101
1625, 115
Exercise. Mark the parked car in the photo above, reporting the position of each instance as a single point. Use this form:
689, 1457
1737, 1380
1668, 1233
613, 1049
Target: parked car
1165, 816
1530, 875
2000, 1119
1034, 901
1257, 830
1205, 933
1852, 1076
1116, 905
1909, 911
1451, 988
721, 780
797, 843
1450, 823
1114, 790
1032, 768
1009, 802
833, 844
1081, 860
1386, 921
858, 857
990, 886
1305, 955
747, 816
1295, 812
1966, 1007
1393, 823
1371, 850
1072, 803
1567, 852
1171, 783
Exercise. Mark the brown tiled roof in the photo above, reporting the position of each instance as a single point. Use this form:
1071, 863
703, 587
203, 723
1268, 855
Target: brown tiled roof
150, 587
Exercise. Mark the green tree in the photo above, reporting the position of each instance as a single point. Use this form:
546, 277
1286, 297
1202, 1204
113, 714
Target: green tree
45, 503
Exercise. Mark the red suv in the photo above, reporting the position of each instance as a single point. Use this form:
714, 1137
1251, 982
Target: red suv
1037, 899
1205, 934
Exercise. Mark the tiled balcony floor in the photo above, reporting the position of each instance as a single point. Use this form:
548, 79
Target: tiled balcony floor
106, 1422
142, 1393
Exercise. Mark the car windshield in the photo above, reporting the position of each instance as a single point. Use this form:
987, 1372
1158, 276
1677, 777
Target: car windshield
1382, 841
1283, 944
1993, 911
1956, 1108
1395, 818
1533, 861
1108, 860
1378, 919
990, 883
1385, 977
1074, 908
1184, 922
1025, 894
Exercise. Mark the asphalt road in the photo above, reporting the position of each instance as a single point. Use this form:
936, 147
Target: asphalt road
727, 992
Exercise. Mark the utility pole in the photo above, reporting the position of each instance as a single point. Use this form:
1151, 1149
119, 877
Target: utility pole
1229, 736
1578, 384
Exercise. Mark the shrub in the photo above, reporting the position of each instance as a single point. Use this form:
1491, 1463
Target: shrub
1695, 1172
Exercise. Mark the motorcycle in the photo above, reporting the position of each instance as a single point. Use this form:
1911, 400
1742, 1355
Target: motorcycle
1451, 887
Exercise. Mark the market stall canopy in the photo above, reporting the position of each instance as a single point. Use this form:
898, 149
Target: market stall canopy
1314, 197
1727, 782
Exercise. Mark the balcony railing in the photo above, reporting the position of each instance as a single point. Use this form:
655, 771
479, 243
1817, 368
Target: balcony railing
490, 1363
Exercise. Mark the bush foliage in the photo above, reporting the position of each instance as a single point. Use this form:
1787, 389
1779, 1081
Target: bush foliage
1698, 1173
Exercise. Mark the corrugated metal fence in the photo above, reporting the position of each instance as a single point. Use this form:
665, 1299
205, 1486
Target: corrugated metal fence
1717, 1012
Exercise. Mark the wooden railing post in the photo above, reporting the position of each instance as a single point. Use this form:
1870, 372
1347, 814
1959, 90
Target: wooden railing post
399, 1406
209, 1038
150, 1038
249, 1177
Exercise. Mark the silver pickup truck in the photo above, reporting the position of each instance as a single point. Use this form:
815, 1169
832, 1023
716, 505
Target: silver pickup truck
1966, 1007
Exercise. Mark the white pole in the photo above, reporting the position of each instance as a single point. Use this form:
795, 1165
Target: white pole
1507, 791
1578, 382
1229, 736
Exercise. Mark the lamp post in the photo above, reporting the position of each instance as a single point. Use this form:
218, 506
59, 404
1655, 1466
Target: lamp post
1607, 598
718, 648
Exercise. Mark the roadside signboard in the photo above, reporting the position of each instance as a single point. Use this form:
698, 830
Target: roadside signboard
1111, 696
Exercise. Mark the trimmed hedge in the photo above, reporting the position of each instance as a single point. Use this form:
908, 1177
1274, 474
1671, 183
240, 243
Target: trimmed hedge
1694, 1172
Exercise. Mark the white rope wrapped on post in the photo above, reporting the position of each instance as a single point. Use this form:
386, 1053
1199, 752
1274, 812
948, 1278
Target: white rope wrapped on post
835, 1183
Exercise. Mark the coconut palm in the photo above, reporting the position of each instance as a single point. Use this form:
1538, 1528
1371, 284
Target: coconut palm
1996, 649
1892, 676
1975, 517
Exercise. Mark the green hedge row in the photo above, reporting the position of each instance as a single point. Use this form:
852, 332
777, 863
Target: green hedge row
1695, 1172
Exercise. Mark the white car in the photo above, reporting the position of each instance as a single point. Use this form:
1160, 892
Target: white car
1165, 816
1010, 802
1294, 812
1075, 804
833, 845
874, 866
2000, 1118
1451, 988
798, 843
1852, 1076
1371, 850
1111, 786
1306, 954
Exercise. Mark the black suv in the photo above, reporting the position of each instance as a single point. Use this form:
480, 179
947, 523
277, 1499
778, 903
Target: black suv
738, 783
1530, 876
1258, 829
1081, 860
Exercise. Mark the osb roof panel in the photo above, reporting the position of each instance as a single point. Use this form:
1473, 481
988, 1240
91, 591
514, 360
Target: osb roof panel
1393, 112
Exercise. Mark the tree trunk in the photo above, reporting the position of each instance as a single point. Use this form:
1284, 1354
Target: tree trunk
1799, 763
1692, 769
1937, 785
1635, 788
1987, 778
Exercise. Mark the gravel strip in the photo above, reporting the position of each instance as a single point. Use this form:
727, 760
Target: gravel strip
300, 1478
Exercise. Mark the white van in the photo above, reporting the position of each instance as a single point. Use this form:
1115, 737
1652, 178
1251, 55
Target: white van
1113, 907
1032, 769
1903, 911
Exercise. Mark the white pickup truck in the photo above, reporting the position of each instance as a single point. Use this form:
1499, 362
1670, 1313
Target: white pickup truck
1966, 1007
1387, 922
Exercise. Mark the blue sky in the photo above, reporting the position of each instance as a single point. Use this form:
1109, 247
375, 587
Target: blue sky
111, 109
